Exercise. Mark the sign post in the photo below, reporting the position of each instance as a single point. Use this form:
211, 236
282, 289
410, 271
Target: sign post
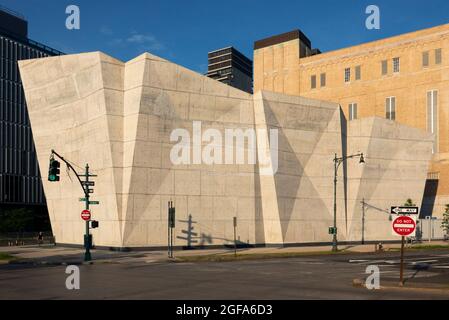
401, 272
85, 214
235, 236
404, 225
87, 236
171, 226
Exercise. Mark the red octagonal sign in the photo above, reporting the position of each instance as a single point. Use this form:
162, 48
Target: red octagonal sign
404, 225
85, 215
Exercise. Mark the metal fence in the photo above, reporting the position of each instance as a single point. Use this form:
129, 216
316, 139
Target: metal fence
430, 229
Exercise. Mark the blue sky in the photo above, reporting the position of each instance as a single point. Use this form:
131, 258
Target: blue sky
184, 31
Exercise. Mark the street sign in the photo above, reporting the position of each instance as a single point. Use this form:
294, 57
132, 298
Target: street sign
88, 183
404, 226
332, 230
94, 202
85, 215
404, 210
82, 199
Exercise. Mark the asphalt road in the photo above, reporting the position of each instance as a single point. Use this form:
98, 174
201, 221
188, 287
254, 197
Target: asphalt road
308, 277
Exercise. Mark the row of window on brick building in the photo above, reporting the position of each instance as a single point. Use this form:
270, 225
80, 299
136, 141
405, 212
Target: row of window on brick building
390, 102
390, 113
396, 67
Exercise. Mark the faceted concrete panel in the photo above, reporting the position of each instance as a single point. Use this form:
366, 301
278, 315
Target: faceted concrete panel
118, 117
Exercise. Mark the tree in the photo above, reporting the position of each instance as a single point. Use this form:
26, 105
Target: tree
445, 222
409, 203
15, 220
24, 220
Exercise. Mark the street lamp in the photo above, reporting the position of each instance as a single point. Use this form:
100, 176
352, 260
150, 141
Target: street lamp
337, 162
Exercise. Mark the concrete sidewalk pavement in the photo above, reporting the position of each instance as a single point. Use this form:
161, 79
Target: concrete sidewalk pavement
57, 254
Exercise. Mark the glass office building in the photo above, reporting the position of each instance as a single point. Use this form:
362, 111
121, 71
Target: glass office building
20, 182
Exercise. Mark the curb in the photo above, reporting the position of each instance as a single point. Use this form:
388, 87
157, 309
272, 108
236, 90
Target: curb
360, 283
56, 263
442, 291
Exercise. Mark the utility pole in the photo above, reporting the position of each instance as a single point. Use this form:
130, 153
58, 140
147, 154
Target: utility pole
235, 236
171, 226
53, 176
334, 231
87, 236
363, 221
337, 162
401, 273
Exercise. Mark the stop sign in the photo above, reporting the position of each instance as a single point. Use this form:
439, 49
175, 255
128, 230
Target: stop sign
404, 226
85, 215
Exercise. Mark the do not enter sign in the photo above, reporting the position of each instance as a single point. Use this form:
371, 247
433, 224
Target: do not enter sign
85, 215
404, 226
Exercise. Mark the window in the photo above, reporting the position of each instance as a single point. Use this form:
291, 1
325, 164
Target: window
352, 111
390, 108
313, 82
425, 59
323, 79
396, 65
433, 176
438, 56
384, 67
347, 74
358, 73
432, 116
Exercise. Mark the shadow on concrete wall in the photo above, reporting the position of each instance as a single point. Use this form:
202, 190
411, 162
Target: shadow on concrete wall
190, 236
344, 151
291, 172
195, 241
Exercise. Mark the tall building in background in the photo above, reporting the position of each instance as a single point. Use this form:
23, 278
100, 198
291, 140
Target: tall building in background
231, 67
20, 182
403, 79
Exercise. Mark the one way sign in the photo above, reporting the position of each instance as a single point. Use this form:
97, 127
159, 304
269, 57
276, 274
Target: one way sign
404, 210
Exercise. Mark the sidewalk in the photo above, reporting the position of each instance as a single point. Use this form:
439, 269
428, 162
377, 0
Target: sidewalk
49, 254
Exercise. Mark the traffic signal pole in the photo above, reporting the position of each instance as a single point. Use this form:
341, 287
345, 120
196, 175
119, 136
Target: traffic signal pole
87, 239
85, 186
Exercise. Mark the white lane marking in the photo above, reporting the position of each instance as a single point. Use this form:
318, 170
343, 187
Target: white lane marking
372, 261
392, 261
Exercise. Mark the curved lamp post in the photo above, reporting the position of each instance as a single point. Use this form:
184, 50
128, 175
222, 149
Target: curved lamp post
337, 162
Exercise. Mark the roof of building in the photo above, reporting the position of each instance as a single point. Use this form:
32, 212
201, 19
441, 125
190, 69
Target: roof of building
280, 38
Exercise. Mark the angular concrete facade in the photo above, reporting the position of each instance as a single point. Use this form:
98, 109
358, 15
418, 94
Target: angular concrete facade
118, 117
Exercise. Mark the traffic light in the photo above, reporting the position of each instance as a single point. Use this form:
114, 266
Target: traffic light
53, 171
94, 224
171, 217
